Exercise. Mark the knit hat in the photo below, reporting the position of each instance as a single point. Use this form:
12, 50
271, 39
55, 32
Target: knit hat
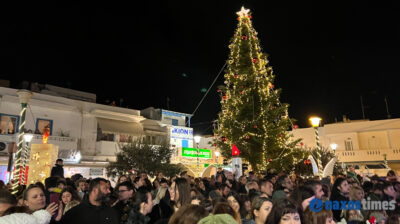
218, 219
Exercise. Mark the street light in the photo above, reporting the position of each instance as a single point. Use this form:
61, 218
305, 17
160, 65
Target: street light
197, 140
217, 155
315, 121
25, 154
334, 147
24, 96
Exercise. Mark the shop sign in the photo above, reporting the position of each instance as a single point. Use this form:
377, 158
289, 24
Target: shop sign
96, 172
191, 152
181, 132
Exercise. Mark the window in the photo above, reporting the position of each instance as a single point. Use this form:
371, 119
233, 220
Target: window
125, 138
185, 143
9, 124
41, 124
175, 122
348, 144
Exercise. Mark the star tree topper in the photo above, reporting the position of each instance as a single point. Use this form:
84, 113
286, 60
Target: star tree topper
243, 12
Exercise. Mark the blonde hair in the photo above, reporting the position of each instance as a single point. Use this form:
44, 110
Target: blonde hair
160, 194
353, 191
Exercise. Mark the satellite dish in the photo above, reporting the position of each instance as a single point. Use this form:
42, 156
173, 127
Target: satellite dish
2, 146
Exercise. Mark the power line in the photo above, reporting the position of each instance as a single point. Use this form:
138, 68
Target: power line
209, 89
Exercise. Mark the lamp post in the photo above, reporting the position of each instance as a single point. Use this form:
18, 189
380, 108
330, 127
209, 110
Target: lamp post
197, 140
334, 147
25, 156
24, 97
315, 121
216, 156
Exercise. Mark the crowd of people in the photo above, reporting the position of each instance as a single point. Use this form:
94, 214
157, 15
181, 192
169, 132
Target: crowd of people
272, 198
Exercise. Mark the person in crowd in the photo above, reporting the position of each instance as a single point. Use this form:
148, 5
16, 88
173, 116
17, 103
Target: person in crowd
122, 178
392, 176
284, 212
216, 192
225, 189
81, 187
61, 184
302, 196
327, 192
352, 175
261, 207
234, 201
340, 192
271, 177
146, 181
225, 208
202, 188
266, 188
241, 185
34, 198
283, 187
58, 170
251, 185
189, 214
180, 193
138, 182
357, 194
162, 207
321, 217
393, 219
125, 194
245, 207
7, 200
69, 199
23, 215
142, 204
316, 186
92, 209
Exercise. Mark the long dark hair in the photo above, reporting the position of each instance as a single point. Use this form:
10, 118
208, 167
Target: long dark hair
184, 191
72, 191
188, 214
335, 193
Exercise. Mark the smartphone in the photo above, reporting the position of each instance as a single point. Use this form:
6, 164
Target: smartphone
54, 197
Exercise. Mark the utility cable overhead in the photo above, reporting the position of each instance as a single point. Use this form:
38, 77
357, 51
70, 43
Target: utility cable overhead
219, 73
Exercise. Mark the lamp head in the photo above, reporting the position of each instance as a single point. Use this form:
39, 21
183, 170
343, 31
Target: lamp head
197, 138
334, 146
216, 153
28, 137
315, 121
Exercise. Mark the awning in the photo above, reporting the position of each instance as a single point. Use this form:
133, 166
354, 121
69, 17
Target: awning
155, 127
119, 127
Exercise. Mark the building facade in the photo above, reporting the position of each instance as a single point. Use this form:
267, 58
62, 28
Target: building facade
358, 142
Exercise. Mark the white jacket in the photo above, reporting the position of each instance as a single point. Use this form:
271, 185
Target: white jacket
38, 217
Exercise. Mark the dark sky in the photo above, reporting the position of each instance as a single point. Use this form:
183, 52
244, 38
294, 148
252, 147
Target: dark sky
324, 56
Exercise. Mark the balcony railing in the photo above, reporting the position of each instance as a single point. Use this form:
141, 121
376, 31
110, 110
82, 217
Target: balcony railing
368, 155
61, 141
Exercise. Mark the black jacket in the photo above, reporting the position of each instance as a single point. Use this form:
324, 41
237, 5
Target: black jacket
87, 213
58, 171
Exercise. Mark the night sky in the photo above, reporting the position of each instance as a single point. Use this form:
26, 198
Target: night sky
324, 56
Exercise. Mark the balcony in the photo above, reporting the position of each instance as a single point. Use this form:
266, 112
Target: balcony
392, 155
61, 141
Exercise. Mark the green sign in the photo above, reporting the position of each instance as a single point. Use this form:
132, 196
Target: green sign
191, 152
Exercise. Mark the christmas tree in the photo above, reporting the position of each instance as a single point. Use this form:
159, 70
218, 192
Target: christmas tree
252, 116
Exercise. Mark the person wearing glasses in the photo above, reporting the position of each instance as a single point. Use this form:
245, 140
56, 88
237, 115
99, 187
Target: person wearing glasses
125, 194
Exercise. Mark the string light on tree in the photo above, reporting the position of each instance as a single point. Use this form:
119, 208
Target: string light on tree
246, 118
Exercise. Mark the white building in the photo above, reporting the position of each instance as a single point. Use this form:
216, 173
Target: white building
358, 141
88, 134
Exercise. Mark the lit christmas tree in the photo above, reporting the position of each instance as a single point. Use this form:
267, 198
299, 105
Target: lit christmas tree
252, 116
